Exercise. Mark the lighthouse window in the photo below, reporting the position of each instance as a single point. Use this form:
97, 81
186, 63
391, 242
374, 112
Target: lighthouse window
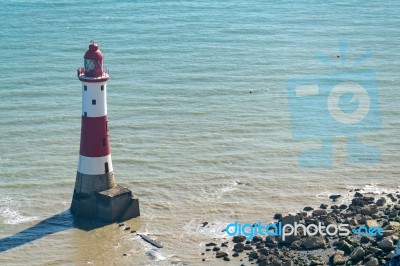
84, 113
93, 102
85, 88
102, 87
104, 142
106, 169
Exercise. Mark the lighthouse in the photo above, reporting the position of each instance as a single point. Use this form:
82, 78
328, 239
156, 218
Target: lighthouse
96, 194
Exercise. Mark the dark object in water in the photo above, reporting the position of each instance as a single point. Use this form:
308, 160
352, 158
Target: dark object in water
151, 241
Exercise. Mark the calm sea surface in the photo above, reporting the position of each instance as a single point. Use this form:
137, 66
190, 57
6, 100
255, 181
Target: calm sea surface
186, 135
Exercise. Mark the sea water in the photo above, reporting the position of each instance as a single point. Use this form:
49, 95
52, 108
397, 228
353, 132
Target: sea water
200, 121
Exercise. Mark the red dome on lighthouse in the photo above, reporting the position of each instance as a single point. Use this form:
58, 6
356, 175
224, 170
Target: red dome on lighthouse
93, 70
94, 52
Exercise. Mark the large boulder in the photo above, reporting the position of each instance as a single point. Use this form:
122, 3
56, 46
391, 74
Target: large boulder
338, 258
357, 254
386, 244
313, 242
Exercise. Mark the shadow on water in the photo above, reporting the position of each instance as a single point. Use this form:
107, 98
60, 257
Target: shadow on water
54, 224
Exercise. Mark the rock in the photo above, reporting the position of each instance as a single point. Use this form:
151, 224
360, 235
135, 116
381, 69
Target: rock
390, 196
381, 202
204, 223
238, 239
352, 221
376, 251
216, 249
357, 254
338, 258
319, 212
369, 210
368, 200
127, 228
253, 255
226, 258
395, 225
208, 249
370, 223
295, 245
276, 262
347, 213
257, 239
263, 251
343, 207
387, 232
317, 261
313, 242
235, 254
260, 245
357, 202
323, 206
358, 195
334, 197
308, 208
386, 244
345, 246
225, 244
261, 258
393, 213
278, 216
120, 224
239, 247
247, 247
288, 263
364, 239
372, 262
210, 244
221, 254
289, 220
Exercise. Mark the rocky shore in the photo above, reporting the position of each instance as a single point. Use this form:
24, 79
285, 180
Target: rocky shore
365, 213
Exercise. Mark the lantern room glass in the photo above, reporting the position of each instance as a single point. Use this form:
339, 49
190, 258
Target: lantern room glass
90, 65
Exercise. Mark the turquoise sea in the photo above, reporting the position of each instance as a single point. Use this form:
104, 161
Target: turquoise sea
187, 136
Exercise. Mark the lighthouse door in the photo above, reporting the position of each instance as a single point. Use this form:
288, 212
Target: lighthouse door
106, 168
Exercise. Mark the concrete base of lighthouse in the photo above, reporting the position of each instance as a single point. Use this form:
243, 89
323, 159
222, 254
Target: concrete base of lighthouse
116, 204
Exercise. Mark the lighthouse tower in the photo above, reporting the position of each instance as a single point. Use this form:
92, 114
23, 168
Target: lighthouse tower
96, 193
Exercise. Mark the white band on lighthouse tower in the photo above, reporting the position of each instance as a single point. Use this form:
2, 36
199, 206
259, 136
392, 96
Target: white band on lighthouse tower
95, 165
94, 99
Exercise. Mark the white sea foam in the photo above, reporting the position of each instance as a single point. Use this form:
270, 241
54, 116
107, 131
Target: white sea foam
219, 191
371, 188
9, 211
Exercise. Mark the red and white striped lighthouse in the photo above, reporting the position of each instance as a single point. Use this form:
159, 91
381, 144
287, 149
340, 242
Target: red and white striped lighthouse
95, 171
95, 177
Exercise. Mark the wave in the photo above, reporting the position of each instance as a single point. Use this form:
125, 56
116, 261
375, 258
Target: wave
9, 211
